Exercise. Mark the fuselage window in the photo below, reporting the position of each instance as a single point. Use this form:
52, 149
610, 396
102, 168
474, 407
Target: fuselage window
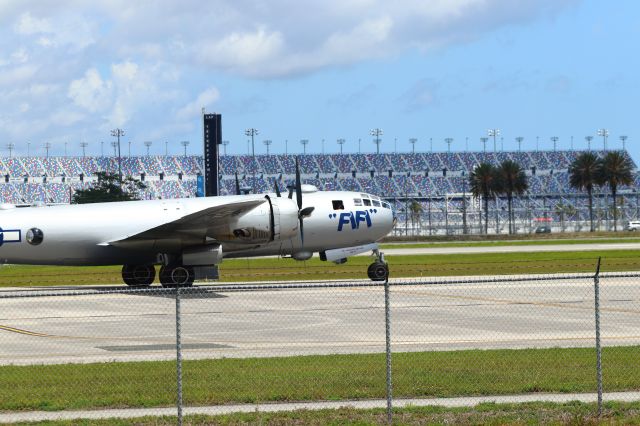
376, 203
357, 201
366, 201
338, 205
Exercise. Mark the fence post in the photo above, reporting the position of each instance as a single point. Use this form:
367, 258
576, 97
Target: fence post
596, 282
387, 322
178, 357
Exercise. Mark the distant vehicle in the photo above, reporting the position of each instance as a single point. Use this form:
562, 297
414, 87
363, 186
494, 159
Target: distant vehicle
543, 229
634, 225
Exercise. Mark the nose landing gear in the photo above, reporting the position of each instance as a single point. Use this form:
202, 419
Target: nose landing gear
378, 270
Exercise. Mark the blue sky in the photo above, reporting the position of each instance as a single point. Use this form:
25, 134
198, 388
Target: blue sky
430, 69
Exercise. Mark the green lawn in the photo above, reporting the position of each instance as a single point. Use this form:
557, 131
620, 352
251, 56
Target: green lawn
309, 378
259, 269
574, 413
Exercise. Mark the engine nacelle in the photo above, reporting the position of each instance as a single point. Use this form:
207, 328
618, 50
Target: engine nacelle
207, 255
276, 219
285, 218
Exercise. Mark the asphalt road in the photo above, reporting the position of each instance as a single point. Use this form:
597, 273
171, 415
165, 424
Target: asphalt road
511, 249
441, 315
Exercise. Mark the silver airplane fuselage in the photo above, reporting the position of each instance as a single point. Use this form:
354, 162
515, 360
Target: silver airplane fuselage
136, 232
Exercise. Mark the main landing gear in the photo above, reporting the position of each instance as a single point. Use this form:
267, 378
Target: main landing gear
171, 275
378, 270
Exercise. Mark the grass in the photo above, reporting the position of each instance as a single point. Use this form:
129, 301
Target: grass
309, 378
259, 269
573, 413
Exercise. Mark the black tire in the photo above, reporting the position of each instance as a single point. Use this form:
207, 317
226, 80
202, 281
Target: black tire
138, 275
176, 275
378, 271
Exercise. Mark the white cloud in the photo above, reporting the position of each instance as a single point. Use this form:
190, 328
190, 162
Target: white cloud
91, 92
193, 109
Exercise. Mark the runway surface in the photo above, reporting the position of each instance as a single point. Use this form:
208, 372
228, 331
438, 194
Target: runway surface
441, 315
511, 249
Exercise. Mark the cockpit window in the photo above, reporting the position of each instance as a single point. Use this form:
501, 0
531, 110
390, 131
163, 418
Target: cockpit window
366, 201
376, 203
386, 205
357, 201
338, 205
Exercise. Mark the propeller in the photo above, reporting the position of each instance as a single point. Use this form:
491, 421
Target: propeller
302, 213
237, 185
275, 184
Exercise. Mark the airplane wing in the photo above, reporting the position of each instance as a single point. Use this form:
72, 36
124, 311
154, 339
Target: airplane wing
201, 224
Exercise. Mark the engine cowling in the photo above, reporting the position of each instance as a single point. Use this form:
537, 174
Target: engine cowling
276, 219
285, 218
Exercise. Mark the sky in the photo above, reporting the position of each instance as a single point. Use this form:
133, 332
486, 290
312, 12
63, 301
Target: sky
71, 71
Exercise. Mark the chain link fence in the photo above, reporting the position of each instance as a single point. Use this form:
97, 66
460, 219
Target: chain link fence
112, 347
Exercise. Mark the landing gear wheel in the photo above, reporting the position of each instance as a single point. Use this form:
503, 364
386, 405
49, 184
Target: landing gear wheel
378, 271
176, 276
138, 275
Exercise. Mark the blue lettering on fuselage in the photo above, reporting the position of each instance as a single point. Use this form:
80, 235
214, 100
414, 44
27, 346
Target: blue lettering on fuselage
354, 219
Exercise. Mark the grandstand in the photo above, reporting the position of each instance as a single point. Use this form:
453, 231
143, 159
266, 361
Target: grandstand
437, 181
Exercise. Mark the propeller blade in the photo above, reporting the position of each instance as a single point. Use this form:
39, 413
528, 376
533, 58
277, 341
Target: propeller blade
301, 231
237, 185
275, 184
298, 186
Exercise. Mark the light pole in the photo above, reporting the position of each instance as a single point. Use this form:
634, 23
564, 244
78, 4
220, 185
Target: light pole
322, 146
359, 140
166, 148
537, 142
395, 145
494, 133
413, 141
286, 147
148, 145
114, 145
623, 138
448, 141
304, 143
554, 139
65, 149
129, 152
484, 143
376, 133
101, 148
28, 149
185, 144
519, 139
46, 146
118, 133
588, 139
10, 147
466, 144
252, 132
84, 145
605, 134
341, 142
267, 143
224, 147
431, 145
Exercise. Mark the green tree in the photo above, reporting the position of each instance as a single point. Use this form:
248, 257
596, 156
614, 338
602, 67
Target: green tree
512, 181
564, 211
483, 181
583, 175
415, 210
108, 188
615, 171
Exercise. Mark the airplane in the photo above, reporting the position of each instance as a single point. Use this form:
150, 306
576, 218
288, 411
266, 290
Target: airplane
187, 236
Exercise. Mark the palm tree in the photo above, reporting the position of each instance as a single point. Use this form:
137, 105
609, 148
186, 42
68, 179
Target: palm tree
483, 182
615, 170
512, 181
564, 211
415, 210
583, 175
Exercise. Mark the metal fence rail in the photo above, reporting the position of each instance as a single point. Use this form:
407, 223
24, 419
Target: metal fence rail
201, 327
